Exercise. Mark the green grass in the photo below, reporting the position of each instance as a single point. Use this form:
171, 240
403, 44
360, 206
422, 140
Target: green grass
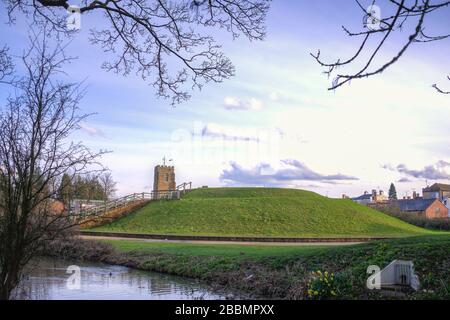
261, 212
223, 250
284, 271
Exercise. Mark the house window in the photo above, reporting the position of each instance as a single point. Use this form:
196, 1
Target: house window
437, 210
166, 177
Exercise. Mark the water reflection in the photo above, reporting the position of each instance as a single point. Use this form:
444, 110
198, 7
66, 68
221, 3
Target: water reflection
46, 279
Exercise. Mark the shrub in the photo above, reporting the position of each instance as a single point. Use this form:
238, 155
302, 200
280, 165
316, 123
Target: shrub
75, 248
322, 285
433, 224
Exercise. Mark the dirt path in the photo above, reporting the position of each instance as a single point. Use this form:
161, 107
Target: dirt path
243, 243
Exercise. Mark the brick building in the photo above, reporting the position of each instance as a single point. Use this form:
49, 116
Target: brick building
428, 208
438, 191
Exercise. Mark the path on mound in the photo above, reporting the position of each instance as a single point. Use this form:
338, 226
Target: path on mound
226, 240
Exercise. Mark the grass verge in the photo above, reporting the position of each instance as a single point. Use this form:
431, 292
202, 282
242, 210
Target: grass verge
285, 272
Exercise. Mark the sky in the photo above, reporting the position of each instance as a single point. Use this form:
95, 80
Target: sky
275, 123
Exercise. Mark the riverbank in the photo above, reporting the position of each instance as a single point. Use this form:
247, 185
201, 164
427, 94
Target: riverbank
278, 271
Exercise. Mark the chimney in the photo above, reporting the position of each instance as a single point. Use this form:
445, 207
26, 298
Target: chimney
381, 192
374, 192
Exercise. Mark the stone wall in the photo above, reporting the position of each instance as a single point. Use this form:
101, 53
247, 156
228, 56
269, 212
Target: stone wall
164, 178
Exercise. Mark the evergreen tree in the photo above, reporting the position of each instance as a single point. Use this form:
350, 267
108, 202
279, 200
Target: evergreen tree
88, 187
392, 192
65, 192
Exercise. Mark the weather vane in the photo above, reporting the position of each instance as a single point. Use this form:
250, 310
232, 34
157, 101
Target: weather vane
164, 160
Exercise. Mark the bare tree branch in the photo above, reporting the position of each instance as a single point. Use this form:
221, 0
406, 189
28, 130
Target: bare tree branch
6, 65
156, 38
413, 11
440, 90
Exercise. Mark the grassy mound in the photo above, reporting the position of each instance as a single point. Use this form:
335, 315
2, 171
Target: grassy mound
261, 212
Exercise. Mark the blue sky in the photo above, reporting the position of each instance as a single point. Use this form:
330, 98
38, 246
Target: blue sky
274, 123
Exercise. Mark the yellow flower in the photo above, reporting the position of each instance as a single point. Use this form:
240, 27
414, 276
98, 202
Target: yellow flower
316, 293
333, 293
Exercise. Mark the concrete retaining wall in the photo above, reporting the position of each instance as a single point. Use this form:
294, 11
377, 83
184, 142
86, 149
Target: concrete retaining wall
225, 239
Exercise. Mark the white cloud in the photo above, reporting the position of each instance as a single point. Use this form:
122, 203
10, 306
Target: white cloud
215, 130
255, 104
92, 131
233, 103
433, 172
290, 172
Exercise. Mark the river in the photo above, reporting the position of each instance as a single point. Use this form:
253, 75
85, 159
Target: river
50, 279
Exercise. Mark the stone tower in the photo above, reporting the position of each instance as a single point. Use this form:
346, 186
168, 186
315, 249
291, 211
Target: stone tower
164, 178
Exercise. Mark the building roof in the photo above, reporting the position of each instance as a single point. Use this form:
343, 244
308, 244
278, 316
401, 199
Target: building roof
415, 204
366, 196
437, 187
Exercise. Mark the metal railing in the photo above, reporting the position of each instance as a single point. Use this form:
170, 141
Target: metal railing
184, 186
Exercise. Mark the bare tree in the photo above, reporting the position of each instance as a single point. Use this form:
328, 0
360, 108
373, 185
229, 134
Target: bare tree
6, 65
108, 184
156, 38
35, 152
402, 13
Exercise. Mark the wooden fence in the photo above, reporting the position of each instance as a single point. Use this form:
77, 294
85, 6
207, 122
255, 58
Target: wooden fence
106, 206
